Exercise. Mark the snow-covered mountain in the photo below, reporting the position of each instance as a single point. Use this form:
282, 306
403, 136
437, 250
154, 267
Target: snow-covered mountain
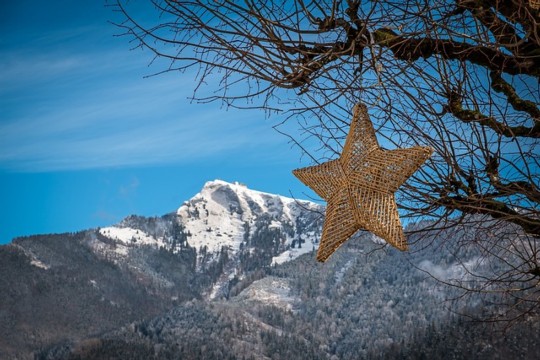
233, 230
225, 217
223, 273
214, 246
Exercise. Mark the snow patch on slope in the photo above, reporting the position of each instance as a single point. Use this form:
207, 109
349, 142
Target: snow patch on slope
269, 291
129, 236
125, 237
452, 272
292, 253
39, 264
34, 261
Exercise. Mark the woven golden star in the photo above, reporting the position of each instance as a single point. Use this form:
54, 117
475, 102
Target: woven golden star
359, 187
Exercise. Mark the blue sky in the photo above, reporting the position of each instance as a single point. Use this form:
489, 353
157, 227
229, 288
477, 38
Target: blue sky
86, 139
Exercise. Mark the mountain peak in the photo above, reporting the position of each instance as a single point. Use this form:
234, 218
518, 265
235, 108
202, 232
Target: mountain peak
238, 188
227, 214
239, 197
219, 182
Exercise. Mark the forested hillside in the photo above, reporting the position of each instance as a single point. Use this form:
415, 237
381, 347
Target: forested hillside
366, 302
232, 274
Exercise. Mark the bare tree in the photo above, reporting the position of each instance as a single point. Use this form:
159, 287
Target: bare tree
461, 76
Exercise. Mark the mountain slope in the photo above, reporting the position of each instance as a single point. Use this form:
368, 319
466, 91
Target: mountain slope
63, 287
231, 274
56, 287
362, 304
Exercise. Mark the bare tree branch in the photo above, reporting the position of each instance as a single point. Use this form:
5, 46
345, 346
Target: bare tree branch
461, 76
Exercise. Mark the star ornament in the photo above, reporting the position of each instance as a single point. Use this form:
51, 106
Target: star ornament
359, 187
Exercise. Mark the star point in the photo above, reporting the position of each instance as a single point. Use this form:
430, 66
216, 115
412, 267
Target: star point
359, 186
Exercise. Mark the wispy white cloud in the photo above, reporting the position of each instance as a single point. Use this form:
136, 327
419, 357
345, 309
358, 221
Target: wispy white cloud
142, 135
55, 54
94, 110
16, 66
